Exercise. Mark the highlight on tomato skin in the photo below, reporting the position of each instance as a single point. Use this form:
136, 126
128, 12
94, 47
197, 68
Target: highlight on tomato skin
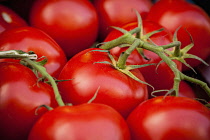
10, 19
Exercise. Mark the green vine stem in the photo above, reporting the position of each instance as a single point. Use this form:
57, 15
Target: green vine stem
17, 54
45, 74
127, 38
121, 63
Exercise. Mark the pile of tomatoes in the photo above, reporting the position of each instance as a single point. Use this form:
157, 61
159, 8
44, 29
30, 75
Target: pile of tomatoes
104, 70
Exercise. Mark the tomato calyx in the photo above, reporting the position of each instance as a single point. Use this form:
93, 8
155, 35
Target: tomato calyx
121, 66
181, 54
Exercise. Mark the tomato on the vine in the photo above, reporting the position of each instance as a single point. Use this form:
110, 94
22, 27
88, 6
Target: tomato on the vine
73, 24
170, 118
32, 39
81, 122
160, 77
118, 13
9, 19
193, 20
90, 73
21, 93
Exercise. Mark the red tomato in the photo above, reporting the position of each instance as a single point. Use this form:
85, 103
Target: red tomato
170, 118
9, 19
20, 95
87, 76
185, 90
118, 13
82, 122
73, 24
172, 14
160, 78
33, 39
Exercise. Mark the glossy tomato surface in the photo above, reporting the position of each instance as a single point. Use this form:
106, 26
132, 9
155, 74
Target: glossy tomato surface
32, 39
192, 19
161, 77
118, 13
9, 19
82, 122
88, 77
73, 24
20, 95
170, 118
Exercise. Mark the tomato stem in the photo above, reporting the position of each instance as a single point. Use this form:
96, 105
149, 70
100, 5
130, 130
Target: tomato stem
127, 38
46, 75
17, 54
121, 63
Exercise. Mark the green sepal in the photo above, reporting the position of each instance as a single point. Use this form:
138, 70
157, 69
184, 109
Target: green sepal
131, 67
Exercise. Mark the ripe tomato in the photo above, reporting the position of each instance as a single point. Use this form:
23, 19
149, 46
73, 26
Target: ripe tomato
160, 78
170, 118
82, 122
9, 19
185, 90
20, 94
33, 39
174, 13
118, 13
73, 24
88, 75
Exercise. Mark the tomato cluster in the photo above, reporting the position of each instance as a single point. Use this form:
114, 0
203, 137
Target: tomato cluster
104, 70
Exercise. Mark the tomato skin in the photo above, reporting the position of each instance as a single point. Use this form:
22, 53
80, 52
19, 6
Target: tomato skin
118, 13
185, 90
82, 122
33, 39
152, 74
9, 19
67, 22
172, 14
87, 76
170, 117
21, 94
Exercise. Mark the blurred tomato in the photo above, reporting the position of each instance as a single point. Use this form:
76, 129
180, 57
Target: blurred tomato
73, 24
118, 13
9, 19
